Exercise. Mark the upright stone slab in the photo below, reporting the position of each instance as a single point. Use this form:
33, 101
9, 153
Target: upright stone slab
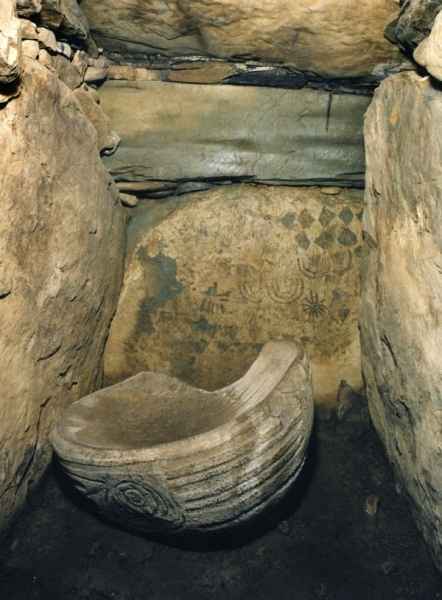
210, 279
402, 289
61, 253
330, 37
174, 132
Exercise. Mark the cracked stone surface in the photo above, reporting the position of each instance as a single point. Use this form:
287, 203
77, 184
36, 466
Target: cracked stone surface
402, 289
330, 37
61, 249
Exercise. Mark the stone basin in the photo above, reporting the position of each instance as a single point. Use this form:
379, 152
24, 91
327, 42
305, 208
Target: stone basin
155, 454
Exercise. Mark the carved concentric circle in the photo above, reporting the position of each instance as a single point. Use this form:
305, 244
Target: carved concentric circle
143, 503
135, 496
136, 501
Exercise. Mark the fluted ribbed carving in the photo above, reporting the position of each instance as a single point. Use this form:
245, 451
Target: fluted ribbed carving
245, 446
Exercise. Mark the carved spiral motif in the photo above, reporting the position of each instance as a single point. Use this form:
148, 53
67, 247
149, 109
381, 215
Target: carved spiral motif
140, 502
135, 496
144, 502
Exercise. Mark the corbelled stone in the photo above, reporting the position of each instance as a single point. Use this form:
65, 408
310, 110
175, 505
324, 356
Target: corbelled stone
107, 139
329, 37
28, 30
61, 248
68, 72
28, 8
31, 49
65, 17
210, 72
10, 50
429, 52
47, 39
402, 288
212, 278
173, 132
414, 22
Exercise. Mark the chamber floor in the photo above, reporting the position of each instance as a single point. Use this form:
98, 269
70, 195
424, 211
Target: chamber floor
319, 544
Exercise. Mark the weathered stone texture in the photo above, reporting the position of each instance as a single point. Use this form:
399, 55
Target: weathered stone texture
30, 49
61, 249
28, 8
236, 451
67, 71
9, 43
402, 288
173, 132
414, 22
107, 140
429, 52
329, 37
65, 17
229, 269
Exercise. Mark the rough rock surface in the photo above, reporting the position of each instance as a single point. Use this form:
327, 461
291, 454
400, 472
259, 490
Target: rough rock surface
402, 289
229, 269
28, 30
107, 140
414, 23
65, 17
30, 48
327, 36
429, 52
61, 249
173, 132
28, 8
67, 71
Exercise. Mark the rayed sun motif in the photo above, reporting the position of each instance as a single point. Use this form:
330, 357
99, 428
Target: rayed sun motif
314, 307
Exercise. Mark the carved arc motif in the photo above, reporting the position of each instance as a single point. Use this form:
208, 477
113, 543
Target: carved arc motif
285, 288
250, 283
322, 265
281, 287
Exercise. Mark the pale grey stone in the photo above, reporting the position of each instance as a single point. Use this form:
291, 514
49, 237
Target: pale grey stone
144, 449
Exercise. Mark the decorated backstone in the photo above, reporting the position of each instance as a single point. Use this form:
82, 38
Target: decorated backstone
211, 278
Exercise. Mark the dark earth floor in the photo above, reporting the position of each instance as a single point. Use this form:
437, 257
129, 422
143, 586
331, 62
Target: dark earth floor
318, 545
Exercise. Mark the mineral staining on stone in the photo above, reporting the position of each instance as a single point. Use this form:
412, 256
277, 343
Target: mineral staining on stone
229, 269
172, 132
